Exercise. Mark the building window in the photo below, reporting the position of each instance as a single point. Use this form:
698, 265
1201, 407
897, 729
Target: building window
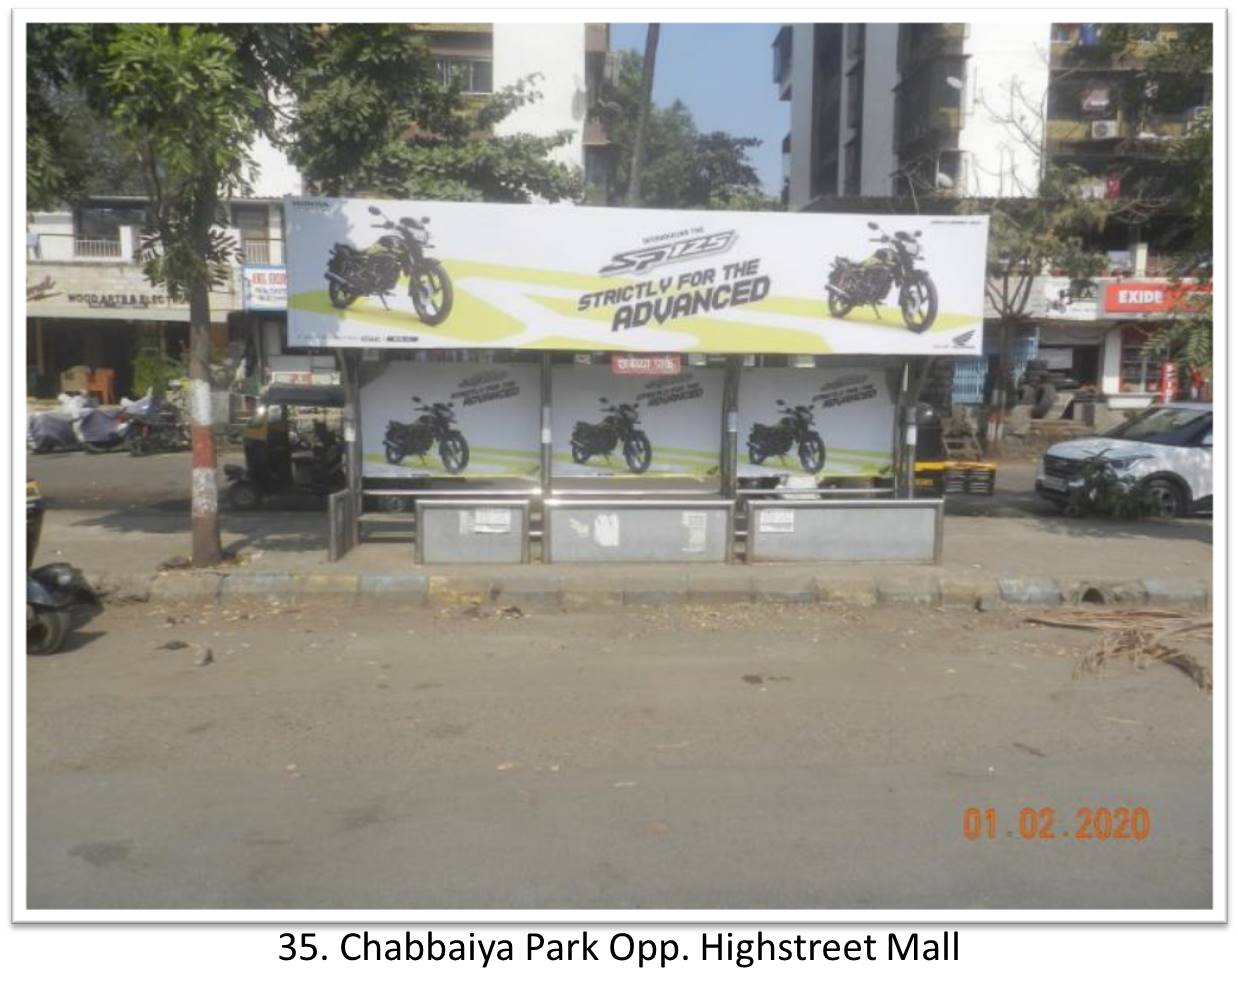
252, 222
1138, 374
472, 75
96, 228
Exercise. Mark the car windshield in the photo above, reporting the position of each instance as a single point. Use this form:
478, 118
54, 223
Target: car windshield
1159, 424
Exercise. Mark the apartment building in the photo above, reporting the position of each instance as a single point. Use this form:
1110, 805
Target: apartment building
89, 303
919, 115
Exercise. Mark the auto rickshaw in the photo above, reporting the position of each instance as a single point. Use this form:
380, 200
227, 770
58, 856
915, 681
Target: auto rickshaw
281, 460
943, 467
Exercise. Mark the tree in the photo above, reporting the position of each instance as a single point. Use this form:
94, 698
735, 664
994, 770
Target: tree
356, 107
680, 167
637, 159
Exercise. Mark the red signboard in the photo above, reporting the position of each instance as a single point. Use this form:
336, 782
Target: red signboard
1145, 297
645, 364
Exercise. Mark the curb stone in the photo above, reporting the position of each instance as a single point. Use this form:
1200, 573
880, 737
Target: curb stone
444, 592
1104, 593
593, 593
185, 587
536, 592
854, 592
784, 590
969, 592
250, 585
411, 587
1030, 591
908, 591
672, 591
1165, 591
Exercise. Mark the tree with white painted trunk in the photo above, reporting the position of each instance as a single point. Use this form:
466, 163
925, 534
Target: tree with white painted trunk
188, 101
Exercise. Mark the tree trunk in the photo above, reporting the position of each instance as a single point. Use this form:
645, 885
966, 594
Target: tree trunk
642, 118
997, 397
205, 506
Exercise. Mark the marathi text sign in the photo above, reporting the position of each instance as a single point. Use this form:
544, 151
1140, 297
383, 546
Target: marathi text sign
437, 275
265, 288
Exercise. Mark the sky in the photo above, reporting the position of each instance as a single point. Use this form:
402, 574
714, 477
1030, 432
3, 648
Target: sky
724, 74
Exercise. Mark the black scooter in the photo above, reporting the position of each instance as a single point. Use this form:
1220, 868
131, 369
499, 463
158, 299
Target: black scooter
794, 428
436, 424
618, 426
58, 597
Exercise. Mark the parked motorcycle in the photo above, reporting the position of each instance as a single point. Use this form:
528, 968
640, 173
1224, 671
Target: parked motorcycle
155, 425
853, 284
618, 426
794, 428
436, 424
353, 273
58, 597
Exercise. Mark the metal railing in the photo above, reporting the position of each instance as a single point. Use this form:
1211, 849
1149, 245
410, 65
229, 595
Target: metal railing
257, 251
96, 248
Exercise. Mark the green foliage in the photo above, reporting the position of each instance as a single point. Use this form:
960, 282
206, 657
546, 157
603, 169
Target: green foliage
1115, 495
150, 370
453, 152
1032, 235
682, 168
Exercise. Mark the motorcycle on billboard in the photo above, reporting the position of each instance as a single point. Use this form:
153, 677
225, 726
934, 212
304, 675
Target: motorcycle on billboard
374, 272
867, 283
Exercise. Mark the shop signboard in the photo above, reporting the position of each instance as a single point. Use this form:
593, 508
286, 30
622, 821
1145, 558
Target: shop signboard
1069, 300
264, 288
580, 279
835, 421
1124, 298
605, 424
452, 420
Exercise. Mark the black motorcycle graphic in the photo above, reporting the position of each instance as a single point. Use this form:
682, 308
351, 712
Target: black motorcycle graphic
353, 273
794, 428
853, 284
435, 425
618, 425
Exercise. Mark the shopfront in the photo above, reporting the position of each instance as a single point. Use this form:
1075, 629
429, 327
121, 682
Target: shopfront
661, 370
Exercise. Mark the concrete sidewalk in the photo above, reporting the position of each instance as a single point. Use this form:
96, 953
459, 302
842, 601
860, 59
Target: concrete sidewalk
1046, 559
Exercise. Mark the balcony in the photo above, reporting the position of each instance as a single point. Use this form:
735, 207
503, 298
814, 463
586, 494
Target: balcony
96, 248
262, 251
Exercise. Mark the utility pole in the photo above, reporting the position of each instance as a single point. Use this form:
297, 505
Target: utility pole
642, 118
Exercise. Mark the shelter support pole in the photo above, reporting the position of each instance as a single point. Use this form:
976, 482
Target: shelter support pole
915, 374
547, 446
729, 461
350, 376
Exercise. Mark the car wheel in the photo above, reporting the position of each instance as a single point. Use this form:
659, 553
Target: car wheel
1166, 497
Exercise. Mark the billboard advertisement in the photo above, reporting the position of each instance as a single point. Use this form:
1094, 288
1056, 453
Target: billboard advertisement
827, 422
606, 424
453, 420
443, 275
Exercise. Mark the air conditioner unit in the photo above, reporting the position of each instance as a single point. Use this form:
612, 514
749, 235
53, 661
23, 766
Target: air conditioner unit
1104, 129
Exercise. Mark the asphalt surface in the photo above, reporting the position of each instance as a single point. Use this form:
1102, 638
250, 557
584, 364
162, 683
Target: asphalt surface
757, 757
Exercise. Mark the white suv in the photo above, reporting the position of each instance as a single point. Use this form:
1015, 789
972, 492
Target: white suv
1168, 446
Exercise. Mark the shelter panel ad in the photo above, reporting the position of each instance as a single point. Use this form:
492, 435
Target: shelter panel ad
452, 420
611, 425
827, 422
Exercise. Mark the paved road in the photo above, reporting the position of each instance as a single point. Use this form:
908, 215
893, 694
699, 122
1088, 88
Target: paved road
760, 757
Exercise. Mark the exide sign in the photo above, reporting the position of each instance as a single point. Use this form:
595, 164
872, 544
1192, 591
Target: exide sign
1153, 297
